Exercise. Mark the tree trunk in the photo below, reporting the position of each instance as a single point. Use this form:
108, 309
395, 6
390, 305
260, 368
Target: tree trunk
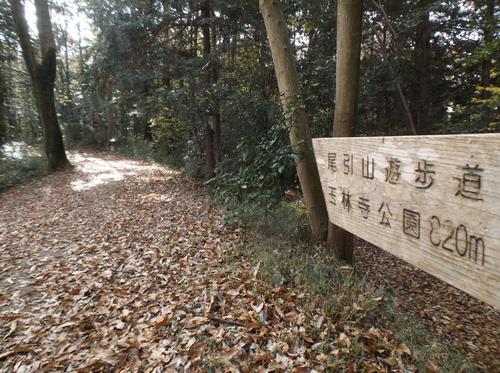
349, 14
3, 109
210, 142
109, 111
67, 71
422, 58
81, 60
300, 134
43, 76
54, 147
214, 78
488, 27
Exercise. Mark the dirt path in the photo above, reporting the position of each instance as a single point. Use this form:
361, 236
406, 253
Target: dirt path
95, 262
122, 265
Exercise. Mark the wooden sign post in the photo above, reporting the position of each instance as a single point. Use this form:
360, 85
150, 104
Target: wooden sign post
433, 201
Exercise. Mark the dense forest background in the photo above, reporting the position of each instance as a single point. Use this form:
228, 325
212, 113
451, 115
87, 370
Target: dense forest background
192, 83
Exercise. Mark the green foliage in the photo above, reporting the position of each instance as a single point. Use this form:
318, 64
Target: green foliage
265, 169
193, 161
91, 133
148, 67
484, 52
170, 136
134, 148
19, 163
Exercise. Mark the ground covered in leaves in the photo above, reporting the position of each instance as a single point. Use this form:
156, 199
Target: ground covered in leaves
454, 317
123, 265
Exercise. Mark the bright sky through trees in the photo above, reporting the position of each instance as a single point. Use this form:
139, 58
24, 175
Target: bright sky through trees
73, 19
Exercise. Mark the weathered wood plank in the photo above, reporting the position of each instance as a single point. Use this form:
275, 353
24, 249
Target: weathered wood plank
433, 201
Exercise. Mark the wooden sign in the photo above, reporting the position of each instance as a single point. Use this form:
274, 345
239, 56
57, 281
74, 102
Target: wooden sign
433, 201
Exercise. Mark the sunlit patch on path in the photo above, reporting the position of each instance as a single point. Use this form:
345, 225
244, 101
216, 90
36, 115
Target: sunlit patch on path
97, 171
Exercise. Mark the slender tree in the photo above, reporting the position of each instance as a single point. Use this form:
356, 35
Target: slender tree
349, 14
3, 107
300, 133
43, 74
488, 26
109, 110
213, 135
421, 95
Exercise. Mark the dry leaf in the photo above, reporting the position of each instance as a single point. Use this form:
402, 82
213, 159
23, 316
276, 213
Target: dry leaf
12, 329
344, 340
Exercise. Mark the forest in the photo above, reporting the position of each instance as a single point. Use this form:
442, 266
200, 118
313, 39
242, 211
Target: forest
193, 84
205, 110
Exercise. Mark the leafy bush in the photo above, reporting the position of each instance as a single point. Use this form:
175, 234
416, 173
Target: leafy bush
134, 148
264, 169
18, 163
193, 161
170, 135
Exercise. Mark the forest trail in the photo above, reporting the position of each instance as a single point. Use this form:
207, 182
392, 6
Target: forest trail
99, 259
123, 264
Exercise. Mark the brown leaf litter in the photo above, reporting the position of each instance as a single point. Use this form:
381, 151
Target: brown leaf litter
121, 265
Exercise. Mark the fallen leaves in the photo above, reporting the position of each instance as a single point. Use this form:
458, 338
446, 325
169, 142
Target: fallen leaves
453, 317
21, 349
12, 326
131, 273
344, 340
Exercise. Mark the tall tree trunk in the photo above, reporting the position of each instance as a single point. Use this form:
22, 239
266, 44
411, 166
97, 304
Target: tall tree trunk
148, 130
488, 26
264, 91
43, 76
214, 78
81, 61
210, 142
300, 133
109, 111
67, 71
4, 123
349, 14
421, 104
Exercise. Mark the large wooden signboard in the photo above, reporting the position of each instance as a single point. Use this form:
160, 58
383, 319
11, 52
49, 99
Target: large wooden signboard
433, 201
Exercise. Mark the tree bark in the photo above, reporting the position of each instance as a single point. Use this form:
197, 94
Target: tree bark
300, 134
67, 71
214, 78
43, 76
488, 28
349, 13
109, 111
421, 94
210, 136
4, 123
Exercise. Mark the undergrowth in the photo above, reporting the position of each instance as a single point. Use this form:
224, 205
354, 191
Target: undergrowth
20, 163
277, 243
140, 150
